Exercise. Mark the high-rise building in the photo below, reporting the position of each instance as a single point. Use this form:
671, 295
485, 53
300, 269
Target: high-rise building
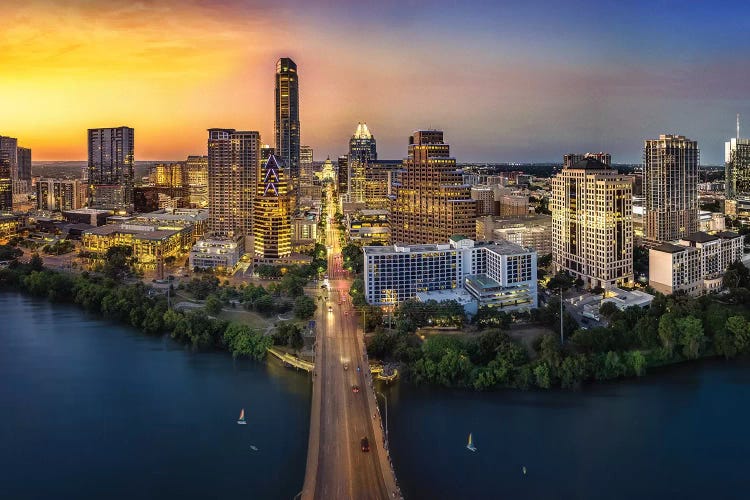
233, 158
286, 126
432, 202
362, 149
272, 223
19, 161
571, 158
60, 194
737, 168
111, 162
670, 186
592, 223
266, 150
197, 180
306, 163
379, 178
342, 174
6, 185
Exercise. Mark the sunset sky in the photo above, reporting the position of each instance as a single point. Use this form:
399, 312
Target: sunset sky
506, 81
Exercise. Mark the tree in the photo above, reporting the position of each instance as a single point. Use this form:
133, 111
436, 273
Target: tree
491, 317
668, 332
36, 262
304, 307
542, 375
8, 252
561, 280
117, 261
213, 305
608, 310
739, 329
691, 336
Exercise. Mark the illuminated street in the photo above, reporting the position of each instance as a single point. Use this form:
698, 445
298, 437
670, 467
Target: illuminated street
336, 465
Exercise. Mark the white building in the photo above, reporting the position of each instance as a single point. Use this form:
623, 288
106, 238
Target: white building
500, 274
217, 253
696, 265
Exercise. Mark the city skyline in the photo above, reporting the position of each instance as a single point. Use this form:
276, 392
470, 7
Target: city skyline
533, 96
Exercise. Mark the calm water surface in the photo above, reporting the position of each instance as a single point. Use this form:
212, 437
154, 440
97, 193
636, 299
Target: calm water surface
681, 434
89, 409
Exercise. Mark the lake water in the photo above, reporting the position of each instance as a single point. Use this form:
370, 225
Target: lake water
89, 409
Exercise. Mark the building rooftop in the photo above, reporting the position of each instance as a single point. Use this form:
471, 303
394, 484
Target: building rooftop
482, 282
699, 237
458, 294
727, 235
670, 248
141, 232
590, 164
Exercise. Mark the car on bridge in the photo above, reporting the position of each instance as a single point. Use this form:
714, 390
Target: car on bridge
364, 444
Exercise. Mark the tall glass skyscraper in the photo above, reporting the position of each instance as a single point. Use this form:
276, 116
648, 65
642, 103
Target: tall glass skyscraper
286, 126
737, 168
670, 186
111, 162
362, 150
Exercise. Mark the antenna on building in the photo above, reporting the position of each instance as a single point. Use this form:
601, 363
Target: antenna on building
738, 127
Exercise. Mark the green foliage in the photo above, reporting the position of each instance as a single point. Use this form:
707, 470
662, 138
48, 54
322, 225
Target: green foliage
542, 375
8, 252
213, 305
491, 317
202, 286
353, 258
561, 279
304, 307
36, 262
117, 262
58, 248
357, 292
243, 341
691, 337
267, 271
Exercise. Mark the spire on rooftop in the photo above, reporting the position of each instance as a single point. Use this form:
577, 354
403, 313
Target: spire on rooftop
362, 132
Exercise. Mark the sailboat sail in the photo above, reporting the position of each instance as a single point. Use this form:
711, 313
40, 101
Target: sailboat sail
471, 446
241, 420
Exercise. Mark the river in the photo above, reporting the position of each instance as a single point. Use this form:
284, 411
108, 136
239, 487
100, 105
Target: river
89, 409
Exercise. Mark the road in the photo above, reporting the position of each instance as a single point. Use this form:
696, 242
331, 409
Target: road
337, 468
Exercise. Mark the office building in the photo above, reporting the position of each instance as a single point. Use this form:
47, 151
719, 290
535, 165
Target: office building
196, 168
342, 174
306, 163
60, 194
233, 159
111, 162
737, 168
379, 178
362, 149
286, 125
592, 223
485, 197
670, 186
432, 202
6, 186
271, 214
496, 274
696, 264
18, 161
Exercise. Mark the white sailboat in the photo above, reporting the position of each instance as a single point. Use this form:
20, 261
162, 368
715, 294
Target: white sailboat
471, 446
241, 420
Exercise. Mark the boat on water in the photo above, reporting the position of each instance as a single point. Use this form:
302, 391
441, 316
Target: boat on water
471, 446
241, 420
253, 447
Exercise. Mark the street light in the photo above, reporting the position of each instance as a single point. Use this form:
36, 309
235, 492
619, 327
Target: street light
386, 414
